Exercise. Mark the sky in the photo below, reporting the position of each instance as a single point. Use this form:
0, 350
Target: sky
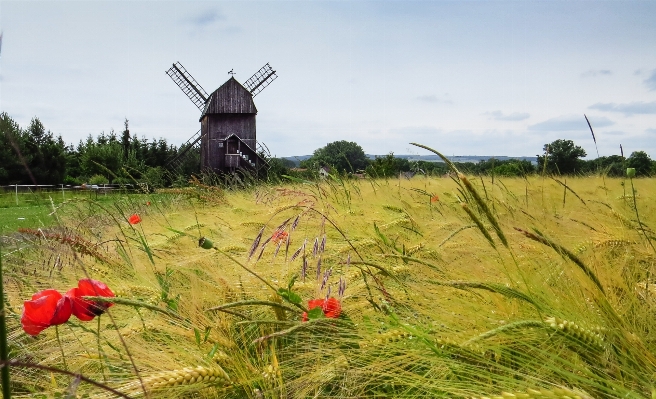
463, 77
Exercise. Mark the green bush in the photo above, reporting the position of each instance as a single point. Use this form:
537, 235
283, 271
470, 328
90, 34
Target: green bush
98, 179
72, 181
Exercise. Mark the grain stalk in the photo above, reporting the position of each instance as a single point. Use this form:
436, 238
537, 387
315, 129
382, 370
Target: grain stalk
565, 253
4, 352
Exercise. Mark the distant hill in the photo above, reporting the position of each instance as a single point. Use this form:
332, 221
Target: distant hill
432, 158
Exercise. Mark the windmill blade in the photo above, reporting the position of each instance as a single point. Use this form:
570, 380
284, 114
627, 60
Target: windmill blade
174, 161
188, 85
260, 79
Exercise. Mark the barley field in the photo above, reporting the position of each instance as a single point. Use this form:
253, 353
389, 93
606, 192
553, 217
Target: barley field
457, 286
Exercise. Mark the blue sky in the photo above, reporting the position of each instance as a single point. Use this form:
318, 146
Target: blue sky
464, 77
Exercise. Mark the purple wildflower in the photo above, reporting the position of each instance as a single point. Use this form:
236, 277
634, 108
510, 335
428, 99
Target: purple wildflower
287, 245
256, 242
315, 248
326, 276
342, 287
299, 250
304, 268
277, 249
298, 219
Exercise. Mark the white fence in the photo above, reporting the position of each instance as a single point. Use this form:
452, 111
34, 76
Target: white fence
20, 191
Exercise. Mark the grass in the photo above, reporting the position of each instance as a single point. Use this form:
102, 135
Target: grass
34, 209
521, 287
11, 219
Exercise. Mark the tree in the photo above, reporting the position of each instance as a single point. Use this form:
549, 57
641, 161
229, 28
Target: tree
641, 162
12, 170
345, 156
612, 165
47, 155
125, 139
514, 167
562, 157
387, 166
101, 159
278, 167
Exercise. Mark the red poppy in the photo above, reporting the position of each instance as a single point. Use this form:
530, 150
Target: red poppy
134, 219
278, 236
435, 198
148, 203
87, 310
331, 307
47, 308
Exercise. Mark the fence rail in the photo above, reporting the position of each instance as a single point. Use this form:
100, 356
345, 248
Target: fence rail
22, 193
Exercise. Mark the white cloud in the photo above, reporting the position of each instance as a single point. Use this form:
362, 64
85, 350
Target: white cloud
651, 81
567, 123
515, 116
596, 72
628, 109
432, 98
207, 17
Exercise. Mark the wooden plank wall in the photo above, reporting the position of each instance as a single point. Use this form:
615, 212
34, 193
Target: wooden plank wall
219, 127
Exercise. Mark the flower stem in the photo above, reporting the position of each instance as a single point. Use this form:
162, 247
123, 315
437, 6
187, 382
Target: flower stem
641, 228
61, 348
136, 304
258, 276
6, 389
640, 225
247, 269
102, 367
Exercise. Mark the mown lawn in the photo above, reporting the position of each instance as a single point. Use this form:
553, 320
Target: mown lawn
11, 219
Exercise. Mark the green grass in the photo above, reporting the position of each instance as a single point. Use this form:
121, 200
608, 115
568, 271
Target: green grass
11, 219
35, 209
538, 291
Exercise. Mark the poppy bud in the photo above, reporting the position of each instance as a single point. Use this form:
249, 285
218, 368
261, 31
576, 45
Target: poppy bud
205, 243
630, 172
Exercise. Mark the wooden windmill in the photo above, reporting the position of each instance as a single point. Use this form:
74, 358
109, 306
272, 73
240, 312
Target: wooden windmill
227, 134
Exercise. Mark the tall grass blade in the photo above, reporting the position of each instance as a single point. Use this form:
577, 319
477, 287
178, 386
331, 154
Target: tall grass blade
565, 253
479, 224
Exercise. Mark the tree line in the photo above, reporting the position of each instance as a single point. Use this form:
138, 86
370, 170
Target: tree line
561, 157
33, 155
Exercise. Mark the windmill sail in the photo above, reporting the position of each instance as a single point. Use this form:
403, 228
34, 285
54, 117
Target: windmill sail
260, 79
175, 162
188, 85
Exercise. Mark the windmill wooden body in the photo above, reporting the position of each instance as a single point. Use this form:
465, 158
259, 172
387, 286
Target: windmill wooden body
227, 136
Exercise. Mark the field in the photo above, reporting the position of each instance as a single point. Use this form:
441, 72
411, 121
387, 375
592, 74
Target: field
35, 209
447, 287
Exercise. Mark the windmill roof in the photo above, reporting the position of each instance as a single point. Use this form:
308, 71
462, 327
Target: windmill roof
230, 98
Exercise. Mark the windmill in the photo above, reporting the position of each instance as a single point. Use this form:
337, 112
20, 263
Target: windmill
227, 134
